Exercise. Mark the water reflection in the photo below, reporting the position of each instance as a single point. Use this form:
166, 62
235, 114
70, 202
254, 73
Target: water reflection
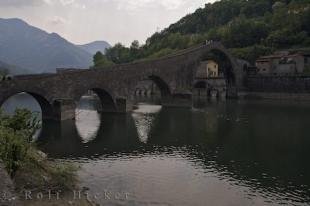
87, 118
144, 116
221, 153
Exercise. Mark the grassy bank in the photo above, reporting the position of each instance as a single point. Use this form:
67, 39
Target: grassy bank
28, 167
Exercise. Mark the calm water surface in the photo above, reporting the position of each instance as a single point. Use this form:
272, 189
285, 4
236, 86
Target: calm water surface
220, 153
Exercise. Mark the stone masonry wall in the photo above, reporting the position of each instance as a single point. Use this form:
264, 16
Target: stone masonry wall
278, 84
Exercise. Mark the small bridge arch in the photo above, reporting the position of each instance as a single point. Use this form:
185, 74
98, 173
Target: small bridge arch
46, 107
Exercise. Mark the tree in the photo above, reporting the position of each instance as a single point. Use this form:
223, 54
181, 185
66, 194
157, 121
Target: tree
119, 54
16, 134
97, 57
135, 45
101, 60
244, 25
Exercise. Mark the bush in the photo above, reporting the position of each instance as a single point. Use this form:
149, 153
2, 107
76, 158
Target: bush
13, 150
16, 133
251, 53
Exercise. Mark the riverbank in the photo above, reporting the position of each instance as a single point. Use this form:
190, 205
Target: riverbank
27, 173
48, 182
7, 192
12, 195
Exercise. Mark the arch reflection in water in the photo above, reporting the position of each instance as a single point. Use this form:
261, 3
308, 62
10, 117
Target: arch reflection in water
237, 158
88, 118
116, 134
144, 116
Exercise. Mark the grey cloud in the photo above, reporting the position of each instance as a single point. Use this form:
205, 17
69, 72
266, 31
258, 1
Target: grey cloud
21, 3
57, 20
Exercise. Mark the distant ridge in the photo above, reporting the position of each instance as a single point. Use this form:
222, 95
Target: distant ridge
95, 46
12, 69
28, 47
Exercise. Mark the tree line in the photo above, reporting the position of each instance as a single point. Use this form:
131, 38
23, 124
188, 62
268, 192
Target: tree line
249, 28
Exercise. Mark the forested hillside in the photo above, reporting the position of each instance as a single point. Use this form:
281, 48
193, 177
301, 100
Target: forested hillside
250, 28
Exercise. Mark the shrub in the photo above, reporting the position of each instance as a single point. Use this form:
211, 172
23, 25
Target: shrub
16, 133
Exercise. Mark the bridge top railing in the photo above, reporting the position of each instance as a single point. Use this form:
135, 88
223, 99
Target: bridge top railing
29, 76
169, 56
143, 61
120, 67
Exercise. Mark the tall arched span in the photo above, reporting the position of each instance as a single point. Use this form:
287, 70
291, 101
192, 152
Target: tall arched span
225, 64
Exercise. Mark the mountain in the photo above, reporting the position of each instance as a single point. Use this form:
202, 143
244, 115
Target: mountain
12, 69
249, 28
95, 46
29, 47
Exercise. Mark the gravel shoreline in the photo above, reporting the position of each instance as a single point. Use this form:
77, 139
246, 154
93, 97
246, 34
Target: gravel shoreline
7, 194
9, 197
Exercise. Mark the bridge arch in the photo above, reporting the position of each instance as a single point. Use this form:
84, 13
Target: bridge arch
161, 84
149, 85
47, 110
226, 64
107, 100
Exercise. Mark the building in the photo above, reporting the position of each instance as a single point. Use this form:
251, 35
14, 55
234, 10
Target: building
283, 63
208, 69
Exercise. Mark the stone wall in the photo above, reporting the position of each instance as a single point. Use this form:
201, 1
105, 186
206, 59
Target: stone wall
277, 87
281, 84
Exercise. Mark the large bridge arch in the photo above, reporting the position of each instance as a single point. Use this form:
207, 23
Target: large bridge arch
226, 62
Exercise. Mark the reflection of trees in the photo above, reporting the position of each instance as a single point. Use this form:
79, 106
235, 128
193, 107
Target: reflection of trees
247, 143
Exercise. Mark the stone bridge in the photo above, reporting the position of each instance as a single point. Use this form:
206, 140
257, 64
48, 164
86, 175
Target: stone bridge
174, 75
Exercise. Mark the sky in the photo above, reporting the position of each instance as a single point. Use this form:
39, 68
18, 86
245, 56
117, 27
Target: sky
84, 21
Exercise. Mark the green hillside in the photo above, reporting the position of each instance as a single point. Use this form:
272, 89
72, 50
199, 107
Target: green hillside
250, 28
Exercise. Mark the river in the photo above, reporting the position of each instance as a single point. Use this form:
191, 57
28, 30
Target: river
218, 153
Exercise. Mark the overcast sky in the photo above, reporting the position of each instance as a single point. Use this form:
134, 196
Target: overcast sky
83, 21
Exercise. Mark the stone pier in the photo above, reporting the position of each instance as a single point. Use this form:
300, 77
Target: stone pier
64, 109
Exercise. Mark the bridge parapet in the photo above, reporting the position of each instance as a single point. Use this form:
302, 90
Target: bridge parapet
174, 75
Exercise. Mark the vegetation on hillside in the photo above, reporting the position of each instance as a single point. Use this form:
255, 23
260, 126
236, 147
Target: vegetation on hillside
250, 28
